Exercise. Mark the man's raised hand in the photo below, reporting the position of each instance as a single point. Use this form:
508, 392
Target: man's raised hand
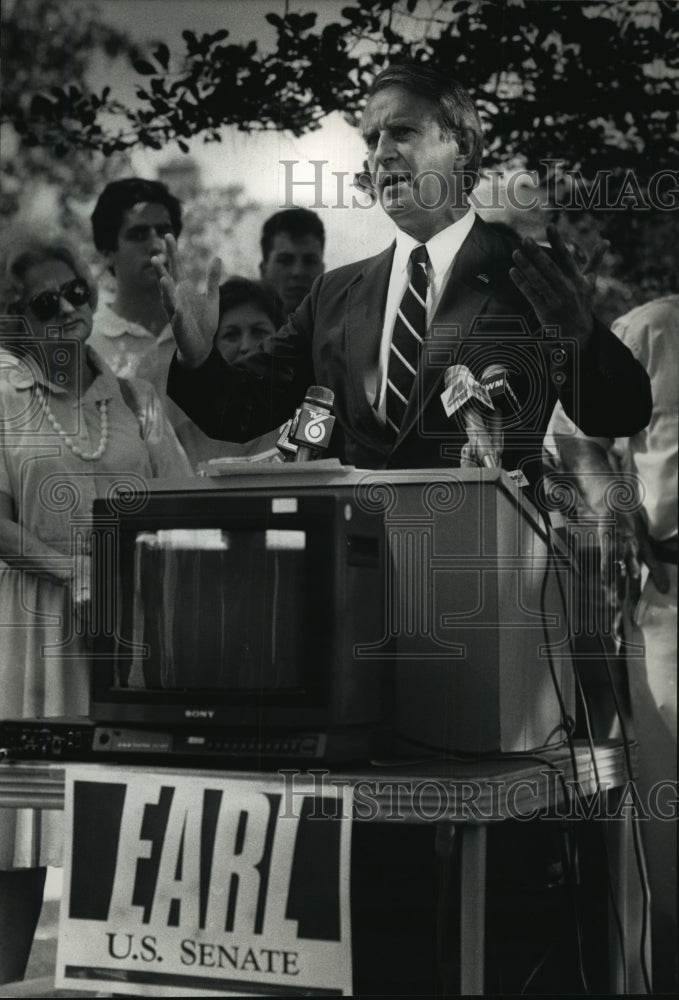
193, 315
559, 291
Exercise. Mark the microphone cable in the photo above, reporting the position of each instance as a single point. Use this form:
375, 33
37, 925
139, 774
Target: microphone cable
630, 771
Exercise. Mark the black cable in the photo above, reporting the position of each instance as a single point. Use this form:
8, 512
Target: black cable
599, 790
551, 564
570, 830
537, 968
636, 836
638, 853
570, 852
635, 831
609, 881
590, 740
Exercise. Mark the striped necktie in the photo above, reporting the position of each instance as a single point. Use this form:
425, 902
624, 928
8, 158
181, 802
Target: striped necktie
410, 329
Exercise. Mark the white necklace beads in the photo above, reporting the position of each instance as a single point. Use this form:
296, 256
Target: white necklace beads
67, 439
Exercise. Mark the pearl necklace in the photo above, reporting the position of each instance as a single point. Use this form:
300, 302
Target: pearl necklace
67, 439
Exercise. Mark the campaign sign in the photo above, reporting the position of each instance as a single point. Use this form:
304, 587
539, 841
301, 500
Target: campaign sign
178, 884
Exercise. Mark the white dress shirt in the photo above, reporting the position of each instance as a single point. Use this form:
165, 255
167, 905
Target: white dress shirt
442, 250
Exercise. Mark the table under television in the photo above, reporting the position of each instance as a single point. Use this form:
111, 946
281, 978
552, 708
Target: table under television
465, 802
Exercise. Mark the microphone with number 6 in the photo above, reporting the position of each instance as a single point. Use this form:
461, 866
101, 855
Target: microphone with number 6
307, 435
469, 399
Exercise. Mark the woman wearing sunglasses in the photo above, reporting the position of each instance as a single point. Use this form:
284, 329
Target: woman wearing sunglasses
70, 431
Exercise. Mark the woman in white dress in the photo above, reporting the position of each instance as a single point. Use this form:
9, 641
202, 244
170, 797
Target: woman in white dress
68, 434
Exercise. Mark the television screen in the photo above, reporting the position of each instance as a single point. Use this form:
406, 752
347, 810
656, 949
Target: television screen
217, 608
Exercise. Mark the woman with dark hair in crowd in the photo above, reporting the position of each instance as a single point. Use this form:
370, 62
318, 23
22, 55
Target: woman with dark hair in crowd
249, 312
70, 431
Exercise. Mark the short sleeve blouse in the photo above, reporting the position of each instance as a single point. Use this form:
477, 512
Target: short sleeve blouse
51, 487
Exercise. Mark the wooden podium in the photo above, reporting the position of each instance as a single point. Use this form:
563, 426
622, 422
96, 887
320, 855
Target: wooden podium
476, 613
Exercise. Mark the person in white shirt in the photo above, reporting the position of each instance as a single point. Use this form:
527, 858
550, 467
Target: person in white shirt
131, 332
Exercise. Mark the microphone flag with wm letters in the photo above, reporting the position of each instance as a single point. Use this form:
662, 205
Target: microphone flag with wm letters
181, 884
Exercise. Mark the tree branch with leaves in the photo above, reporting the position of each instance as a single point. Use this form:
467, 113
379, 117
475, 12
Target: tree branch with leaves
593, 83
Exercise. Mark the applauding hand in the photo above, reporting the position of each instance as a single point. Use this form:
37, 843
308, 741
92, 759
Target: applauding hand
193, 315
559, 291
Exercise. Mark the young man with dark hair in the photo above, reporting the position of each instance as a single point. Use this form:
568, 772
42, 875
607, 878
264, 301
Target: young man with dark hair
292, 254
131, 332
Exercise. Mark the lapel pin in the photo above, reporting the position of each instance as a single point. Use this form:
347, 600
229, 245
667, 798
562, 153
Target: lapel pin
484, 278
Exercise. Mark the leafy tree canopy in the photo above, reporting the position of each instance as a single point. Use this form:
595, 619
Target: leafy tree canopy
49, 44
592, 83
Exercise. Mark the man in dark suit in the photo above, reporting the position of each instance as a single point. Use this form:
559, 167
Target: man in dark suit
467, 294
382, 332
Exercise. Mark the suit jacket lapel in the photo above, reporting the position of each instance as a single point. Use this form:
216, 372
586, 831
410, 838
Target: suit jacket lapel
464, 298
365, 318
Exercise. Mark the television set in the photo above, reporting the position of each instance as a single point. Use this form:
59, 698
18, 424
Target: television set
230, 615
321, 612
